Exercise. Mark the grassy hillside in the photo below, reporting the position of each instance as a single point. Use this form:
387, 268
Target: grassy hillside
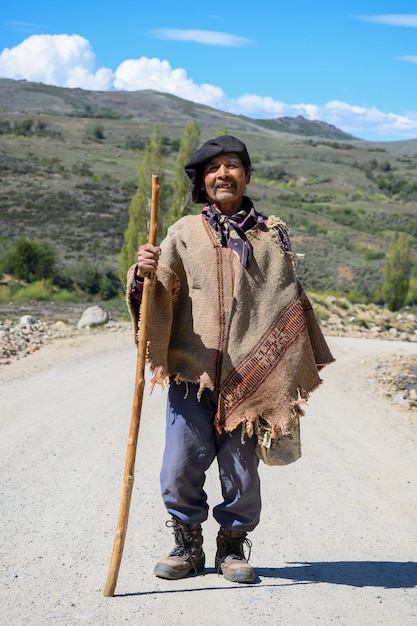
69, 157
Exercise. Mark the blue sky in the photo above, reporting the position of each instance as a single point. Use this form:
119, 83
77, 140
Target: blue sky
349, 63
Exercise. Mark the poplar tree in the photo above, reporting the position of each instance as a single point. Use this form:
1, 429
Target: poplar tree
397, 272
137, 229
181, 203
222, 130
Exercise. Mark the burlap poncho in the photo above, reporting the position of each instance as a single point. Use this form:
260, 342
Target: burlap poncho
249, 333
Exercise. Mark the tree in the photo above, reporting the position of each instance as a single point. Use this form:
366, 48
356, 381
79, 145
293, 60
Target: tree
181, 203
137, 229
397, 272
30, 261
222, 130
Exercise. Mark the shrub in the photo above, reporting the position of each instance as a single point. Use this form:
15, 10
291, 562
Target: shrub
98, 133
4, 294
5, 127
64, 295
39, 290
89, 278
23, 128
109, 286
82, 169
30, 261
374, 255
397, 272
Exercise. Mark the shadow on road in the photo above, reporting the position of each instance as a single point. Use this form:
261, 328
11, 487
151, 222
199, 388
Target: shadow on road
387, 574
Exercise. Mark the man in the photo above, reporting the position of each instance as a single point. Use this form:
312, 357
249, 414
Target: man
233, 333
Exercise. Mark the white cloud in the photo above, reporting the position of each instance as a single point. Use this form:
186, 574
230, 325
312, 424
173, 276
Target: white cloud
207, 37
144, 73
393, 19
69, 61
357, 119
251, 104
352, 119
265, 106
65, 60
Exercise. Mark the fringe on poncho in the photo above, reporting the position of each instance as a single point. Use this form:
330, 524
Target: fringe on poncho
249, 333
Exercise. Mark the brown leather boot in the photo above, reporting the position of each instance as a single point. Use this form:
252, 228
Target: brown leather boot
187, 556
230, 558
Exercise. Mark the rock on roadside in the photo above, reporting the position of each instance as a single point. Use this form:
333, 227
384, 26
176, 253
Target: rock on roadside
94, 316
27, 336
396, 378
339, 317
20, 339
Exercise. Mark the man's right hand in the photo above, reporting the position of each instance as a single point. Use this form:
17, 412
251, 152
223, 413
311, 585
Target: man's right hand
148, 257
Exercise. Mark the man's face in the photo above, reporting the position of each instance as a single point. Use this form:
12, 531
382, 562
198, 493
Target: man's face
224, 181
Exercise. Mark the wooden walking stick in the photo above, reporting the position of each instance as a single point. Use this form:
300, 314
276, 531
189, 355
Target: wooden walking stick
128, 479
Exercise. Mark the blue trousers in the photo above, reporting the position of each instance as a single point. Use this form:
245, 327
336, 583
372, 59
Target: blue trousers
191, 445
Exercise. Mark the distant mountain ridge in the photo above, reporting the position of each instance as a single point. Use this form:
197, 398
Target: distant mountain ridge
301, 126
22, 97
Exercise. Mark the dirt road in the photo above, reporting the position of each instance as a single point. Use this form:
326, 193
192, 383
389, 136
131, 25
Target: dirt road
338, 539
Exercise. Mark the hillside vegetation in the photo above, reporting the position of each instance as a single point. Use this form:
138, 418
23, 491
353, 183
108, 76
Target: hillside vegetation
68, 168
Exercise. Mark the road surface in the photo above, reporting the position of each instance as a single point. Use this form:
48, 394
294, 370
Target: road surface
337, 543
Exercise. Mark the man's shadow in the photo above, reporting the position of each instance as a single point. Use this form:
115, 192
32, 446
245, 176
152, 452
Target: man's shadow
387, 574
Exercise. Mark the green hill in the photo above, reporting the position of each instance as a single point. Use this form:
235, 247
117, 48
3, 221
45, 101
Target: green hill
69, 157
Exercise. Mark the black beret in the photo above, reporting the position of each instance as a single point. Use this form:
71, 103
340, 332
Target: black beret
212, 148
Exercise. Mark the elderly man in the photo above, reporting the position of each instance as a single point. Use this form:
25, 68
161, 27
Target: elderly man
234, 335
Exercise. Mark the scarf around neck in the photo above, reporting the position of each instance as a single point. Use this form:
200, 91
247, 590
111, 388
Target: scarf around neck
232, 228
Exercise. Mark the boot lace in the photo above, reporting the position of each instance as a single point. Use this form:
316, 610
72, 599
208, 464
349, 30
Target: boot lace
183, 542
234, 547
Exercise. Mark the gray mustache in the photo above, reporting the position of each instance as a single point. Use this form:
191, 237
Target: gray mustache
217, 185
